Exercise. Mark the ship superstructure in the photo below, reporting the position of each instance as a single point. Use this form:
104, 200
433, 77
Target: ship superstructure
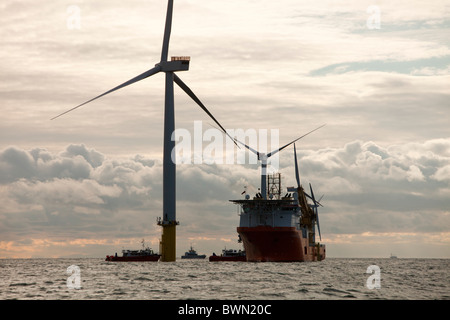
279, 226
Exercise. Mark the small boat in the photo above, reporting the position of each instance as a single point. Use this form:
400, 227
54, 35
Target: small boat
192, 254
145, 254
229, 255
393, 256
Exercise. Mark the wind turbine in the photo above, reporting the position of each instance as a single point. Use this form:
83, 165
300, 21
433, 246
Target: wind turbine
263, 157
168, 221
302, 200
316, 211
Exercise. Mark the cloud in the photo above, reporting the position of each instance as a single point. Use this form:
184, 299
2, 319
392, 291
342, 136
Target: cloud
370, 188
413, 164
442, 174
81, 192
383, 157
40, 165
77, 190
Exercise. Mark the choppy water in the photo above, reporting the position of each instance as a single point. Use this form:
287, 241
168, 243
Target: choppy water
333, 279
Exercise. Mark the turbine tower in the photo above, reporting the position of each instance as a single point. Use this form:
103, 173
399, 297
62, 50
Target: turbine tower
168, 221
263, 157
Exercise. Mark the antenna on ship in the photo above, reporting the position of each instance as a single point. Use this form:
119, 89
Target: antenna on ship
263, 157
168, 223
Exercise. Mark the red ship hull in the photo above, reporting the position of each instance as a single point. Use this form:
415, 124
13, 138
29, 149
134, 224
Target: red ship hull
278, 244
133, 259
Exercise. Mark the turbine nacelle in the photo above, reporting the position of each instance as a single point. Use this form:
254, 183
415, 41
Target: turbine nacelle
264, 156
177, 64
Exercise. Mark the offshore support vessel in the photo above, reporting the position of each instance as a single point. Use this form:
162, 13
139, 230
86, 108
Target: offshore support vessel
192, 254
280, 228
229, 255
145, 254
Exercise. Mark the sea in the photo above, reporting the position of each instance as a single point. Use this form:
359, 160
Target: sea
331, 279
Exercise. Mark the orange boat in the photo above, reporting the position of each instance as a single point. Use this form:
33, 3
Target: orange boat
134, 255
145, 254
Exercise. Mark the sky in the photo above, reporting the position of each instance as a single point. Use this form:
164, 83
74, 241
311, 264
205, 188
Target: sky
88, 184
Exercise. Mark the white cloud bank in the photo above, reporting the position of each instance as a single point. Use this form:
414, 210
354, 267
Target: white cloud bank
79, 202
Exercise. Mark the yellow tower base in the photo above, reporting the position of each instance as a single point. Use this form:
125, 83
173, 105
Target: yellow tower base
167, 245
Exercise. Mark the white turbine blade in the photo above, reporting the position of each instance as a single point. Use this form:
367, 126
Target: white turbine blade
191, 94
297, 175
248, 147
277, 150
167, 29
142, 76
